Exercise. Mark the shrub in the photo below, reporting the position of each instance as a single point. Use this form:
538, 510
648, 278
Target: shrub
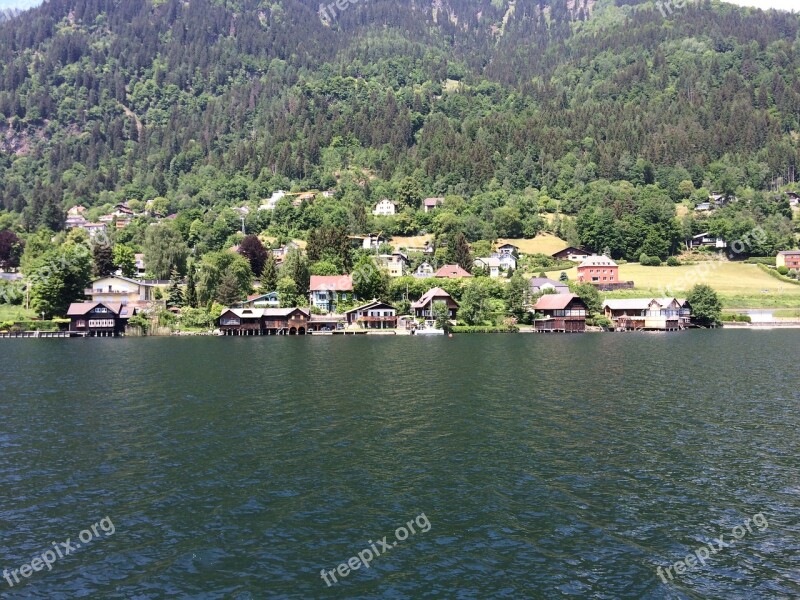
599, 321
761, 260
783, 270
649, 261
672, 261
484, 329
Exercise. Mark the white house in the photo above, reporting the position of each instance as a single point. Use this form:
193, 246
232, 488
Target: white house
273, 200
385, 208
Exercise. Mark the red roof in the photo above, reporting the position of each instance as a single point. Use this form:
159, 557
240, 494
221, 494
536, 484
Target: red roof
554, 301
331, 283
452, 272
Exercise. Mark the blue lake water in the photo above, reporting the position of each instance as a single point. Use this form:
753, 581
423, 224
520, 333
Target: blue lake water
544, 466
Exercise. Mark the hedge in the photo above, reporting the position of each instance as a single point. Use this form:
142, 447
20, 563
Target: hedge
774, 273
736, 318
761, 260
483, 329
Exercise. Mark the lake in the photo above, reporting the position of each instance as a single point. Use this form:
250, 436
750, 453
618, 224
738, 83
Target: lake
495, 466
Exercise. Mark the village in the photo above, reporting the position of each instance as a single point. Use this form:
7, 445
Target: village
589, 294
112, 301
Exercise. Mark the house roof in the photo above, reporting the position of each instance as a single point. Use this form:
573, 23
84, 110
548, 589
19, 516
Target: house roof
572, 250
554, 301
630, 303
537, 282
432, 201
373, 304
78, 309
128, 279
247, 313
452, 272
788, 252
331, 283
597, 260
428, 296
283, 312
489, 261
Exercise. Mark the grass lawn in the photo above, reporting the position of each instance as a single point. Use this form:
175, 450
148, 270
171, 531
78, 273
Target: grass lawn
738, 285
414, 241
10, 312
541, 244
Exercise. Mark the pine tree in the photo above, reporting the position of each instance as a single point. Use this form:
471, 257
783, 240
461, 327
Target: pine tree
190, 292
228, 292
103, 260
461, 254
269, 275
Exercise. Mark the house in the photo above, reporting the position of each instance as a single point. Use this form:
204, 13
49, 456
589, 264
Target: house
423, 308
373, 241
140, 267
507, 261
788, 258
264, 321
655, 314
329, 322
560, 312
94, 229
385, 208
451, 272
538, 285
703, 207
268, 300
99, 319
286, 321
508, 249
431, 204
598, 269
374, 315
395, 263
424, 270
327, 291
490, 264
705, 240
116, 289
273, 200
572, 253
241, 321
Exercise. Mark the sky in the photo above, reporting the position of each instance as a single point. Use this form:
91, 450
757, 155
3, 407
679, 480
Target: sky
781, 4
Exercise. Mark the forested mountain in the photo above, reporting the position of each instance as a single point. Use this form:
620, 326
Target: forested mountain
602, 110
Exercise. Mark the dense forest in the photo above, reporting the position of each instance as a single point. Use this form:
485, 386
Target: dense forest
606, 114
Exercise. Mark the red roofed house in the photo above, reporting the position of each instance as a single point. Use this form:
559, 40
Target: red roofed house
430, 204
99, 319
561, 312
598, 269
423, 308
327, 291
789, 259
452, 272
